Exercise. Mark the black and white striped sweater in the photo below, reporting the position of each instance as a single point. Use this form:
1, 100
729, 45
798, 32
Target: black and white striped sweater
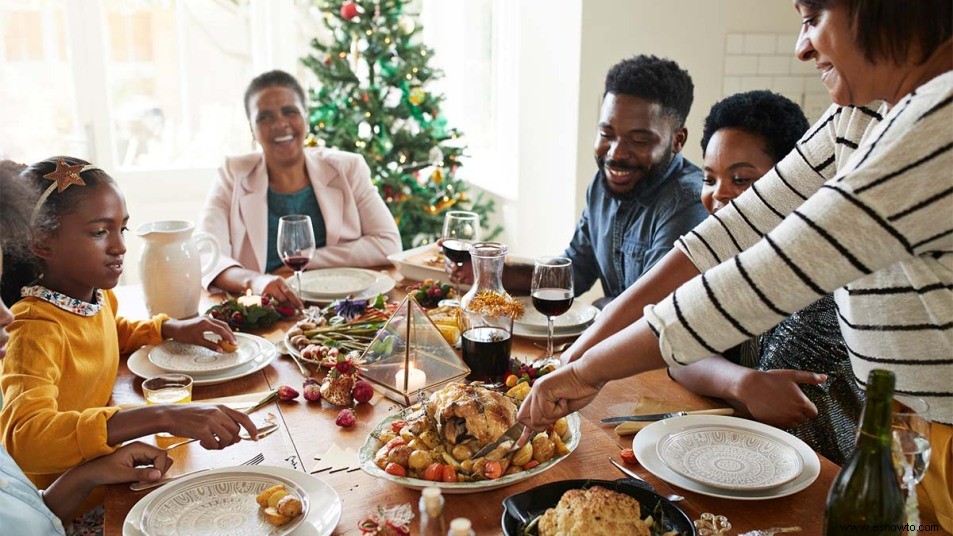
863, 205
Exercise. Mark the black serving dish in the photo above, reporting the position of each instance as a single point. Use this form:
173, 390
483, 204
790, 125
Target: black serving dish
527, 505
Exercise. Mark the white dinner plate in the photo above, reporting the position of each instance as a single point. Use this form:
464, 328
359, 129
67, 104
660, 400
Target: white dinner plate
173, 356
578, 316
727, 457
646, 453
331, 283
383, 284
139, 365
372, 445
324, 511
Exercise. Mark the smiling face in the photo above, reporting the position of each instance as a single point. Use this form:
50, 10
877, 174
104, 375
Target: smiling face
277, 120
734, 159
635, 140
826, 39
86, 251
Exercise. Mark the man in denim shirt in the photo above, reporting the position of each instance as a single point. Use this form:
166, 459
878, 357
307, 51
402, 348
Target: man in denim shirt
644, 195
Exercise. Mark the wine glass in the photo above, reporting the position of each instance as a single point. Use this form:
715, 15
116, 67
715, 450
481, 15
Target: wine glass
910, 429
296, 243
460, 229
552, 294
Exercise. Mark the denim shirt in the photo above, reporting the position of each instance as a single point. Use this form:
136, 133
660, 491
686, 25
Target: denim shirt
22, 510
616, 241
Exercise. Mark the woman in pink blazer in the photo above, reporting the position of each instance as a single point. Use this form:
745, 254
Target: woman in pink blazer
352, 225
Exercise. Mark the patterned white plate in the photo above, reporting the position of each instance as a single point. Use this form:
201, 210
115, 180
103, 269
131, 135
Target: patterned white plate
175, 356
333, 282
645, 443
139, 365
322, 517
578, 316
382, 284
730, 458
221, 503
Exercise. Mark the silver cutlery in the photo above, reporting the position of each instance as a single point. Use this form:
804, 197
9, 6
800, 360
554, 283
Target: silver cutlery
513, 433
283, 349
673, 497
771, 532
139, 486
263, 432
660, 416
267, 399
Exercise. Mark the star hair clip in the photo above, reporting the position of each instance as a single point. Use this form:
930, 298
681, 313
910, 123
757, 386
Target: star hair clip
64, 176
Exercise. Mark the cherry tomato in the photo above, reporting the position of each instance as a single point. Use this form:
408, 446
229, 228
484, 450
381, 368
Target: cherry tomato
398, 425
493, 470
395, 469
434, 472
628, 456
449, 474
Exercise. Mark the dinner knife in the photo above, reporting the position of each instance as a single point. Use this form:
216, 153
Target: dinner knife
660, 416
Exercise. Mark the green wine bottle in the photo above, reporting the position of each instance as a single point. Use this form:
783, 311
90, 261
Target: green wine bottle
865, 497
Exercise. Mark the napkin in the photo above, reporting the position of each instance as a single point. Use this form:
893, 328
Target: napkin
338, 459
646, 405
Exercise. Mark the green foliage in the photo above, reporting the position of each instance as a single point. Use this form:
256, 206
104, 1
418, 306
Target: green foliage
373, 101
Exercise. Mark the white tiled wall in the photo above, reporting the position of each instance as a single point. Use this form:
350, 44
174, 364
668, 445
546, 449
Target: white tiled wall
767, 61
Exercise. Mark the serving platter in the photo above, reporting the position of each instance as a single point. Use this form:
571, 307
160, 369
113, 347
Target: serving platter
371, 445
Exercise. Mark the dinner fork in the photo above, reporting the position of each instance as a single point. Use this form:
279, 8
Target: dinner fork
139, 486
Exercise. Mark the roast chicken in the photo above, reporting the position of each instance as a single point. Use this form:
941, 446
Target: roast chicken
464, 412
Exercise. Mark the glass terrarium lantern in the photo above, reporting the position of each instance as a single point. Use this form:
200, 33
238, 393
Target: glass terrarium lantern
410, 355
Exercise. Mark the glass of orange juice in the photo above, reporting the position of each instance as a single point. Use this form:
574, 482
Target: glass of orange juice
168, 389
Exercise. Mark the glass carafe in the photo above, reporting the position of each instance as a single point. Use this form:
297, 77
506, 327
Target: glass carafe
487, 316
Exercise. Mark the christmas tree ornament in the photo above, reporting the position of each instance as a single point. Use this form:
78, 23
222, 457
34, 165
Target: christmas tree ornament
349, 11
437, 176
406, 25
363, 130
435, 155
416, 96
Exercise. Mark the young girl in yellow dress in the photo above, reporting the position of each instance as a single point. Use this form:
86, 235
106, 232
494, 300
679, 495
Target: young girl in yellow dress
66, 339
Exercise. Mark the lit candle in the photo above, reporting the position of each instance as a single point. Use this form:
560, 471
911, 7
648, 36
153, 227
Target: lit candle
249, 300
416, 379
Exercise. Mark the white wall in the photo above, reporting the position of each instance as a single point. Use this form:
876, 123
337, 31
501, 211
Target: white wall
690, 32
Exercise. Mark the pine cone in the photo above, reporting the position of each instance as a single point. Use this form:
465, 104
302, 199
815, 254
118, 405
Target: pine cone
337, 390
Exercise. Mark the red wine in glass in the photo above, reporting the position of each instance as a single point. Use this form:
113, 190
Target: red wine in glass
457, 251
296, 262
486, 350
552, 301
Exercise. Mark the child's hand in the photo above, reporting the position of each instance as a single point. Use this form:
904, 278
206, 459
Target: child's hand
192, 331
215, 426
135, 462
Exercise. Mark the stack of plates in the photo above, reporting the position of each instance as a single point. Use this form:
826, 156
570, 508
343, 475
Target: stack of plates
205, 366
569, 324
329, 284
222, 501
726, 457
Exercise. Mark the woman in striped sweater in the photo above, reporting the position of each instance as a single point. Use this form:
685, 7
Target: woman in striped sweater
861, 207
744, 136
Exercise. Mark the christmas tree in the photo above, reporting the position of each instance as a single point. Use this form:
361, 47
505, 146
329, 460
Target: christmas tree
373, 100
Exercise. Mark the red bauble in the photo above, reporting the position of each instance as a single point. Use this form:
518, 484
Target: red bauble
349, 10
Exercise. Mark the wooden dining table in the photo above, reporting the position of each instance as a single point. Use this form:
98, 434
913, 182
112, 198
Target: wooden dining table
307, 432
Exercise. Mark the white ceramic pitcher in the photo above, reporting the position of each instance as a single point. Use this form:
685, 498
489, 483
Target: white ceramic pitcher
170, 266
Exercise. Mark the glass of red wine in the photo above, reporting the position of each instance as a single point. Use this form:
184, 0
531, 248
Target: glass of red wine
552, 295
460, 229
296, 243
